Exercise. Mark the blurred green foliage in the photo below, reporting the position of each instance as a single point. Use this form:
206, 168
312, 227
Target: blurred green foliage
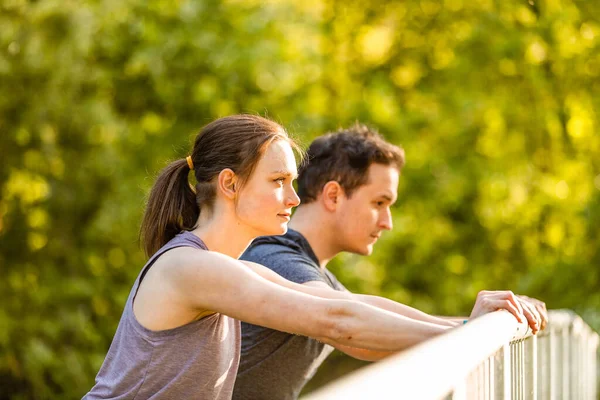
494, 101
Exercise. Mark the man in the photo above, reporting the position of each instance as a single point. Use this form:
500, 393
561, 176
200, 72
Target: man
346, 189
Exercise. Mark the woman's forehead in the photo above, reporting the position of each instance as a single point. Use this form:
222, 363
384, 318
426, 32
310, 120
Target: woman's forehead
278, 156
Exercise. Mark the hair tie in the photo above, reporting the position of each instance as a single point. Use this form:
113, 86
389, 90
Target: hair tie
190, 162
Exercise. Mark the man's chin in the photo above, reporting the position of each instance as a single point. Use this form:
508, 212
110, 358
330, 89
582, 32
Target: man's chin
363, 251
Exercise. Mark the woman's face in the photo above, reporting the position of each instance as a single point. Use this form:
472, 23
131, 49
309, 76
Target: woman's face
266, 200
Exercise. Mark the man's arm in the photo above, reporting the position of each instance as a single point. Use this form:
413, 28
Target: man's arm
487, 302
403, 309
363, 354
523, 308
533, 310
386, 304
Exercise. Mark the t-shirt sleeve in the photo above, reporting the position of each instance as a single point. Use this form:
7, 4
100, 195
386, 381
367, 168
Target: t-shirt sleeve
337, 285
290, 264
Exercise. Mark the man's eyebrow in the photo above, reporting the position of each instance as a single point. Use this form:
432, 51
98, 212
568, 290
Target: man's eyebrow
387, 197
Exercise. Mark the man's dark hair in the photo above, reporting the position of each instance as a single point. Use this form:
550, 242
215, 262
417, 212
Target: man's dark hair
344, 156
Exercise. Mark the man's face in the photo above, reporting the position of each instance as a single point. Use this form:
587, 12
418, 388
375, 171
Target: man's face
362, 217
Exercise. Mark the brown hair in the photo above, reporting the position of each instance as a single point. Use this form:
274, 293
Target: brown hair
236, 142
344, 156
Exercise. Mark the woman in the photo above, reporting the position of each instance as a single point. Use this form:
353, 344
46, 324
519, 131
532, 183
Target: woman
179, 335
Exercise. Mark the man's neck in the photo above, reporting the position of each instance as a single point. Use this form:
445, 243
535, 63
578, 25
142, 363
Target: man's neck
313, 225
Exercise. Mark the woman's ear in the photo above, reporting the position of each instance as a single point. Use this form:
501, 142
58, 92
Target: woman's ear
227, 183
331, 195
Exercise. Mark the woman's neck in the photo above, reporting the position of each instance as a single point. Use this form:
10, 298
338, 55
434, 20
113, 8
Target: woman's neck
223, 235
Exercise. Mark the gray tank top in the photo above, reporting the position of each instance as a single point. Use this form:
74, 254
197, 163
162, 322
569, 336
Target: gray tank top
198, 360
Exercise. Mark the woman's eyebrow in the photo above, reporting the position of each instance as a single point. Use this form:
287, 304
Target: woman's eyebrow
285, 172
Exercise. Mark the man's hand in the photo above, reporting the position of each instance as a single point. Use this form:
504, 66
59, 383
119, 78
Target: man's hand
537, 308
522, 307
489, 301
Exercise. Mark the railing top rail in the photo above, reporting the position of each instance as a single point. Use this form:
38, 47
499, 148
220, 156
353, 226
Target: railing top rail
567, 319
449, 358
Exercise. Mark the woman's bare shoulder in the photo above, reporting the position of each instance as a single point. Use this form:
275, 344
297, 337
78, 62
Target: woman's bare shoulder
183, 261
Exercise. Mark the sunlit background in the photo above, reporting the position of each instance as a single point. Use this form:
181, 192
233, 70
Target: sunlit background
495, 102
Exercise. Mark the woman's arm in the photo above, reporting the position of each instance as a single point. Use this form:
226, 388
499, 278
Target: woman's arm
212, 281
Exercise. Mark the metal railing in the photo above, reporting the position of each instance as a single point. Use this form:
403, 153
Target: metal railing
492, 357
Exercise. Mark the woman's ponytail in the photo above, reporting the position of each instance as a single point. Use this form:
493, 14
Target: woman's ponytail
171, 207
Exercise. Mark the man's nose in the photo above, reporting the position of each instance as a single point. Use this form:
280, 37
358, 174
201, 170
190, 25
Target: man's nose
385, 222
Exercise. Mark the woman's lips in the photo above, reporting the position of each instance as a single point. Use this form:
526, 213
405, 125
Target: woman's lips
285, 216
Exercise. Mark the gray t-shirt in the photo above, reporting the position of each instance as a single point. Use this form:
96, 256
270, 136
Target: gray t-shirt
276, 365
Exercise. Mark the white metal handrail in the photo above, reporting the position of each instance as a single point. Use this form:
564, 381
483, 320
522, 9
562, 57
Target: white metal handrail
492, 357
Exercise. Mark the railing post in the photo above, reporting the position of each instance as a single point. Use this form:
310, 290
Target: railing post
543, 362
576, 373
507, 366
488, 379
499, 367
521, 370
491, 378
531, 366
515, 379
592, 352
555, 365
566, 354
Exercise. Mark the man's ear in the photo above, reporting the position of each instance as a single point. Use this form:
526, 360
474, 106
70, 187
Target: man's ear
227, 183
331, 195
